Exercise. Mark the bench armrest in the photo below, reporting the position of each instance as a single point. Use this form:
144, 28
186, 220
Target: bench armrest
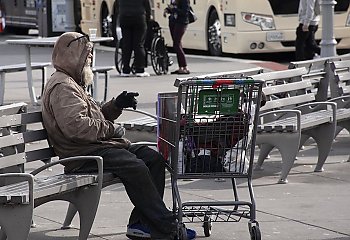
98, 160
285, 112
342, 101
320, 106
22, 177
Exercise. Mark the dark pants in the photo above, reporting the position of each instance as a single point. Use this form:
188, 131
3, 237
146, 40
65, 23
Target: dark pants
177, 31
142, 171
305, 44
134, 33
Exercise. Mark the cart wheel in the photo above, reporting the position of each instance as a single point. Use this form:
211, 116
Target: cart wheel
255, 233
182, 232
207, 225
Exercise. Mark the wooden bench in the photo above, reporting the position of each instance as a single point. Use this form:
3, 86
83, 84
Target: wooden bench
321, 73
290, 114
331, 77
340, 92
340, 84
23, 142
18, 68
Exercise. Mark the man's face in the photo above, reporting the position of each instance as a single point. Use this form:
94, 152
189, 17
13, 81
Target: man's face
88, 75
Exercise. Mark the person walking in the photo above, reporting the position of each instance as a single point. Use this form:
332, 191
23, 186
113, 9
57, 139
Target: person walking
178, 21
309, 17
77, 125
134, 16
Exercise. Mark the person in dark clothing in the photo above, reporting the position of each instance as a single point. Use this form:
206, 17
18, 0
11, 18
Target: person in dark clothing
178, 21
134, 16
309, 17
77, 125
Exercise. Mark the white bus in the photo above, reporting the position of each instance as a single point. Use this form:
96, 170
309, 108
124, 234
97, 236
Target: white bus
229, 26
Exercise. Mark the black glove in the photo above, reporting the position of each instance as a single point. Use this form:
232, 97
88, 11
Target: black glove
126, 99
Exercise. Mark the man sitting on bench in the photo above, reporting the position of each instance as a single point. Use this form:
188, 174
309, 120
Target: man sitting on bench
76, 125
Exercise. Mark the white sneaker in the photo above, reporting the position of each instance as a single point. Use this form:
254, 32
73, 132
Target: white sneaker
125, 74
144, 74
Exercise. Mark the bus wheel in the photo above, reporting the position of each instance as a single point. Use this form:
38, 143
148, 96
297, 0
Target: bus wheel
214, 34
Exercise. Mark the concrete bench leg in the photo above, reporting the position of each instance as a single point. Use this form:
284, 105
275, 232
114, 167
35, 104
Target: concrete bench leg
12, 218
265, 149
69, 217
87, 209
341, 125
287, 144
324, 136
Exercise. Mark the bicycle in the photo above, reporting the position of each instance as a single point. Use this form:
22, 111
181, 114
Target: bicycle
155, 47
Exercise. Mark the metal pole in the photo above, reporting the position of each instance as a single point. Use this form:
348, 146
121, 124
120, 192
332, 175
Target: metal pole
328, 42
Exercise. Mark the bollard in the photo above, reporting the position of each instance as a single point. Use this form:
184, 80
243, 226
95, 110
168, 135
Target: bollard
328, 42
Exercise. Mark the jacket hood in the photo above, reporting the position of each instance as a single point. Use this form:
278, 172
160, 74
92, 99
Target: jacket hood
70, 53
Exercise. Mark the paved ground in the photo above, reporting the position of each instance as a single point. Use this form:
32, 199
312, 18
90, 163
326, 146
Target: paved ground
312, 206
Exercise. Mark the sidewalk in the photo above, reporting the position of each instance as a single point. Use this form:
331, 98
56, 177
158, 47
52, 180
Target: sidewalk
312, 206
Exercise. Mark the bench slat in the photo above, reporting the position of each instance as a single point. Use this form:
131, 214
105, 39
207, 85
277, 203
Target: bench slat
40, 154
287, 87
12, 160
22, 66
341, 64
343, 114
280, 74
20, 119
26, 137
282, 102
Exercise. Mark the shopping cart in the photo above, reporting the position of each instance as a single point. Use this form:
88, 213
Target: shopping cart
207, 130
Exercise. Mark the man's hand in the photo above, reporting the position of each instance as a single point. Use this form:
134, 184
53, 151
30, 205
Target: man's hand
305, 28
126, 99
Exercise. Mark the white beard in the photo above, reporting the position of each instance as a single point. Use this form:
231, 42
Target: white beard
88, 76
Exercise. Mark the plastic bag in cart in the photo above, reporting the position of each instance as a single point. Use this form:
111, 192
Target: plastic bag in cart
235, 160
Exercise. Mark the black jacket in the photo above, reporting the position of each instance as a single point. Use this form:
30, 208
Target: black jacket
134, 8
179, 12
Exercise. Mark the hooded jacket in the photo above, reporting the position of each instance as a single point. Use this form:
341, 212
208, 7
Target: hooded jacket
76, 125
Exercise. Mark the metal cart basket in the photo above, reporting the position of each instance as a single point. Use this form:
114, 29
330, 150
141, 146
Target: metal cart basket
207, 130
